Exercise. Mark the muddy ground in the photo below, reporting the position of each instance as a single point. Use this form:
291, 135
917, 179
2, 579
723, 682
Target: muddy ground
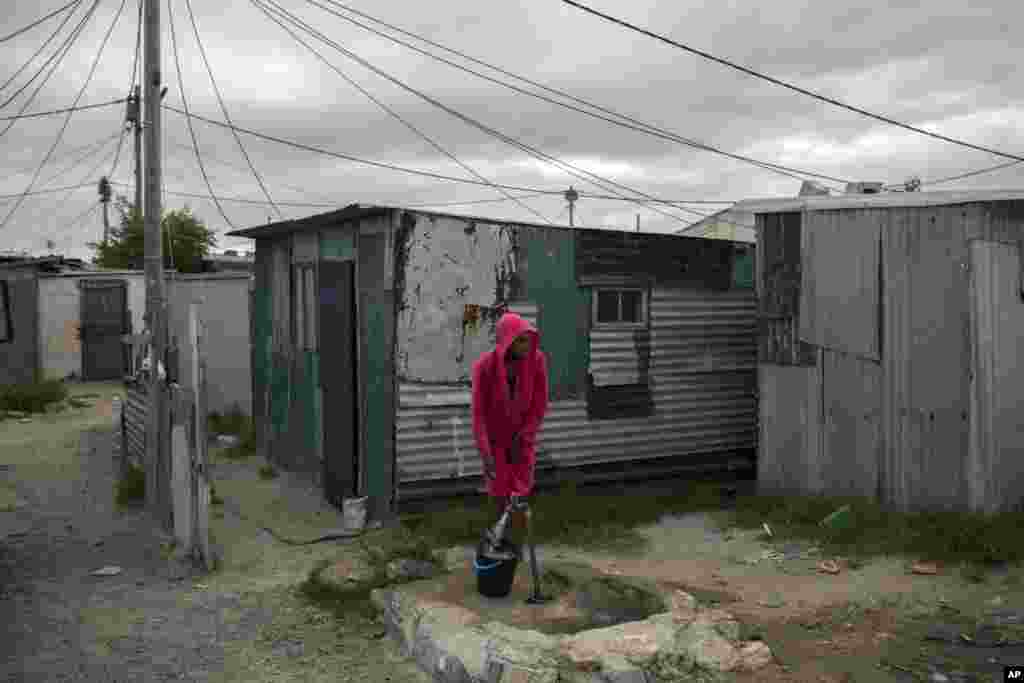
155, 620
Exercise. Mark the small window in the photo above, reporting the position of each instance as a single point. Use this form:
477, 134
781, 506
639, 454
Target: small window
6, 324
620, 307
305, 304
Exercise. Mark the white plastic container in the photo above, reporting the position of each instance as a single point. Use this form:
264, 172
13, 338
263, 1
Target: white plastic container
353, 511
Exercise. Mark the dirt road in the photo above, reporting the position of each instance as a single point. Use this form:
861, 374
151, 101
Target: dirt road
154, 620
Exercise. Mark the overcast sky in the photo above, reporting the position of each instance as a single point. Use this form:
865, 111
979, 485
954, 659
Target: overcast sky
946, 66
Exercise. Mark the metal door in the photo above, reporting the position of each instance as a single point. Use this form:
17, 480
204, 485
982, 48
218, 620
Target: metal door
338, 380
104, 321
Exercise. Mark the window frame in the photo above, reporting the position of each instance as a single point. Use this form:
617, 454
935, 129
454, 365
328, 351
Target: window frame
305, 332
621, 324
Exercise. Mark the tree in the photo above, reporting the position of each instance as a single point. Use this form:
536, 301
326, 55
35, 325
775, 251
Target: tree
186, 240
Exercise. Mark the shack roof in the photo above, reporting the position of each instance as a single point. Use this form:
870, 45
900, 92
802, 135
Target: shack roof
886, 200
358, 211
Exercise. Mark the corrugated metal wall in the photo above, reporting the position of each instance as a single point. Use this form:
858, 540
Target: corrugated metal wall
19, 358
995, 466
133, 417
703, 373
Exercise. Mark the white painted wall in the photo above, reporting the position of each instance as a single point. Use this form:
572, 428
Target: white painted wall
60, 314
223, 307
450, 263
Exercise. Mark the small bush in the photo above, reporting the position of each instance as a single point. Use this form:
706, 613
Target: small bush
233, 422
132, 487
268, 472
246, 446
33, 397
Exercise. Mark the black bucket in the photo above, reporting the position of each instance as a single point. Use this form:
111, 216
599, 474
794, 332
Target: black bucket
494, 576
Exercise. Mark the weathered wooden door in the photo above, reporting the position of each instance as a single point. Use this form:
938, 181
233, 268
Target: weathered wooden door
338, 380
104, 321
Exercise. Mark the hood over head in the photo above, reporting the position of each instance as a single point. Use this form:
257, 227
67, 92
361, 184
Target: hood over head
510, 326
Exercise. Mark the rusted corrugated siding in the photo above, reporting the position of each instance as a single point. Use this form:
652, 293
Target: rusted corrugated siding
925, 366
135, 410
839, 289
779, 276
995, 470
704, 389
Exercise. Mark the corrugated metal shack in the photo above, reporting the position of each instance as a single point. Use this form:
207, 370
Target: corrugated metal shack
890, 357
366, 322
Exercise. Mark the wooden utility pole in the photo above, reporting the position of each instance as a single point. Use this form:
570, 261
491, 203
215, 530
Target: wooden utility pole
156, 301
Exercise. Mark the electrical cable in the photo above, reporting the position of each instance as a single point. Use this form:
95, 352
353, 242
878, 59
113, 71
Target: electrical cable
398, 116
796, 88
470, 121
35, 23
626, 122
970, 174
86, 148
62, 53
135, 79
65, 110
78, 162
479, 201
71, 37
223, 107
390, 167
85, 179
67, 120
188, 119
37, 53
52, 190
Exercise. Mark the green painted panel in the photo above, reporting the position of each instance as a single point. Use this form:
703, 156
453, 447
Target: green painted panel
378, 314
316, 428
338, 244
307, 404
280, 398
550, 282
743, 269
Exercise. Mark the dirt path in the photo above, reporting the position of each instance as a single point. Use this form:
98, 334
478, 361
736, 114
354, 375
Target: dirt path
155, 620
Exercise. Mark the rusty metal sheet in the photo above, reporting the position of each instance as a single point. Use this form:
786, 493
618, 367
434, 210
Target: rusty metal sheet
839, 289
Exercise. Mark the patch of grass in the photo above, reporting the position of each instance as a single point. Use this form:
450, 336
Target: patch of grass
214, 498
131, 488
346, 602
33, 397
268, 472
570, 516
232, 422
947, 537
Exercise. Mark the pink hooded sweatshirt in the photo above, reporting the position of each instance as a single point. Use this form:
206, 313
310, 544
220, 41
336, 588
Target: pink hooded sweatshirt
497, 416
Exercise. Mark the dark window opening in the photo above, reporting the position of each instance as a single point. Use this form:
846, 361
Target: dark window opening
6, 324
620, 306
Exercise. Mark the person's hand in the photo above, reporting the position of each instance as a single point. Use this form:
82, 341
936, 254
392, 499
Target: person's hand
488, 462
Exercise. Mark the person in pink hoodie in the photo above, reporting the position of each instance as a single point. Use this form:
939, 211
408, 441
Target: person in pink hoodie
509, 401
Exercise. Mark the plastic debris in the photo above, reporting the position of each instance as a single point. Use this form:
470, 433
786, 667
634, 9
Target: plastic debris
924, 568
107, 571
838, 519
829, 567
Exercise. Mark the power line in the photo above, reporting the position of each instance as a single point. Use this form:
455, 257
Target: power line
971, 174
626, 122
35, 23
188, 119
62, 52
480, 201
8, 197
79, 161
795, 88
37, 52
67, 120
86, 148
138, 49
391, 167
65, 110
470, 121
399, 117
223, 107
